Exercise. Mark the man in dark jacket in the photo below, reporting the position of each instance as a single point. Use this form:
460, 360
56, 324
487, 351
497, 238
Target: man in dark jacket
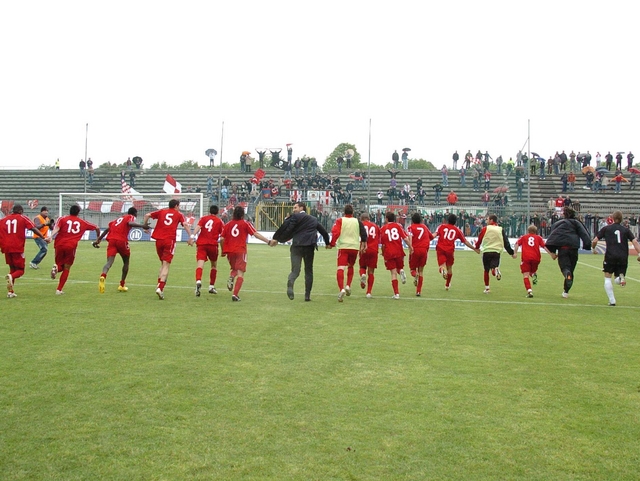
303, 229
564, 240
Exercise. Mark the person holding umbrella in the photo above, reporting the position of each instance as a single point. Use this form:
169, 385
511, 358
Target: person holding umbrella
405, 159
634, 173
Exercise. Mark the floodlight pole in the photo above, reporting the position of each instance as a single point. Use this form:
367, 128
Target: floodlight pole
84, 173
220, 171
529, 173
369, 172
86, 140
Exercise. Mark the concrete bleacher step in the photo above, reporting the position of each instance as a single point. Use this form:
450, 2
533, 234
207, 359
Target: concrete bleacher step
44, 185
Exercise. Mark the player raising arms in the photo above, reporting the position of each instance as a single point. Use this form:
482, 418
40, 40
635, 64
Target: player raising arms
67, 233
12, 229
209, 227
447, 235
369, 257
530, 259
234, 247
164, 233
421, 238
118, 243
391, 236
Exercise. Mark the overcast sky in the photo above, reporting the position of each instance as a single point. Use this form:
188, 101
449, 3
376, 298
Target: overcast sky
157, 79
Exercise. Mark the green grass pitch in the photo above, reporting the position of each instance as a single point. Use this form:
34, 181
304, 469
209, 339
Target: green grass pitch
451, 385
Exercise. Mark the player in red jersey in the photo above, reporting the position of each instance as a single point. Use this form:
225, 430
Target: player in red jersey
369, 257
350, 236
530, 258
447, 235
118, 243
391, 236
12, 229
421, 238
67, 233
164, 233
209, 227
234, 247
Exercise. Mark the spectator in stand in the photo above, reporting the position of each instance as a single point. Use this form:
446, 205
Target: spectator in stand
463, 173
519, 187
487, 179
571, 179
445, 176
619, 161
395, 158
452, 198
437, 189
499, 164
632, 182
608, 160
468, 157
405, 160
565, 179
572, 159
456, 157
598, 159
476, 180
83, 165
589, 177
485, 198
542, 166
630, 157
618, 179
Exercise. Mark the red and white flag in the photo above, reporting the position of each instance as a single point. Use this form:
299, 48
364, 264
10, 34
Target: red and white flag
32, 203
295, 195
132, 193
172, 186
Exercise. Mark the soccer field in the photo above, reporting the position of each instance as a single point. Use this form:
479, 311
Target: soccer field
452, 385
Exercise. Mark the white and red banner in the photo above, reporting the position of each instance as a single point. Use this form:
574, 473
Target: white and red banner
322, 196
